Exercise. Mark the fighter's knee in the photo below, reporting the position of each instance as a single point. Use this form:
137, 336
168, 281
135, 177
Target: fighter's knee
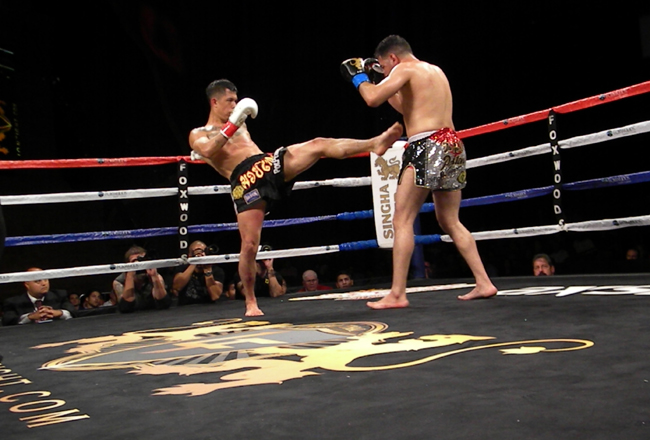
399, 222
449, 227
318, 144
248, 247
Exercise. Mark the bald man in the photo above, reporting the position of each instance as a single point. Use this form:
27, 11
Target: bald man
310, 282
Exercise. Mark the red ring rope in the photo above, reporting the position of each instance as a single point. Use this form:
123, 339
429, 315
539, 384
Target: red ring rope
581, 104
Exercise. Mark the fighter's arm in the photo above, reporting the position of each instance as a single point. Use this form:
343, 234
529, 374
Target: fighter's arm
206, 143
388, 90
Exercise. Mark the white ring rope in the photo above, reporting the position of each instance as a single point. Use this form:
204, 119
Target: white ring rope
598, 225
578, 141
118, 268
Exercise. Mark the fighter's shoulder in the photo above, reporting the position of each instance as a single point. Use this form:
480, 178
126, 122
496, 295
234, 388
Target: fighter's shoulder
421, 65
200, 132
203, 130
421, 69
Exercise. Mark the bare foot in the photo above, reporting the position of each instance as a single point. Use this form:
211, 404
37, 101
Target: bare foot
386, 140
389, 302
253, 310
476, 293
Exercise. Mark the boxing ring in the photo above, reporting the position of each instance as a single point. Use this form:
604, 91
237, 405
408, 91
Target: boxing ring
548, 357
183, 191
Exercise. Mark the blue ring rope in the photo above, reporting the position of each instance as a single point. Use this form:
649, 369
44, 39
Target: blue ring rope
625, 179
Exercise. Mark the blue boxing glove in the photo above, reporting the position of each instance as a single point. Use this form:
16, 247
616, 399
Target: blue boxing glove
352, 70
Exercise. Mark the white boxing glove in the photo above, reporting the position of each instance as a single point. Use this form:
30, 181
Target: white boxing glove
244, 108
195, 156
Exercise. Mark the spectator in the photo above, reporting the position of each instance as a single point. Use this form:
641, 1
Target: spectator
310, 282
344, 280
543, 265
73, 298
198, 283
428, 270
94, 303
632, 254
140, 290
634, 261
37, 304
91, 300
231, 289
268, 282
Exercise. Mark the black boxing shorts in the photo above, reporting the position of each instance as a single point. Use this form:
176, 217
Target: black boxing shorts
438, 159
259, 178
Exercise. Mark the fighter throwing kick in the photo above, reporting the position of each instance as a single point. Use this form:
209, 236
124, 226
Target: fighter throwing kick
259, 179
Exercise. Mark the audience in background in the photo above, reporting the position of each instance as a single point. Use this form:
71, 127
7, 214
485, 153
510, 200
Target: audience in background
632, 254
146, 289
198, 283
344, 280
543, 265
73, 298
38, 304
140, 290
231, 289
91, 300
310, 282
634, 261
268, 282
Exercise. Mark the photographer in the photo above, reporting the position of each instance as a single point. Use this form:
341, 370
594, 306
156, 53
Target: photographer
196, 284
268, 282
140, 290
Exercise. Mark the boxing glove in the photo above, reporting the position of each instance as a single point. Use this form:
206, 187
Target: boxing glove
373, 69
244, 108
352, 70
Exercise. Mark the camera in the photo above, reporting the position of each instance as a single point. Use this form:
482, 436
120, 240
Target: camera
146, 257
213, 249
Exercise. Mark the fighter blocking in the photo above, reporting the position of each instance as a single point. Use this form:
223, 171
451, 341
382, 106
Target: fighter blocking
244, 108
359, 71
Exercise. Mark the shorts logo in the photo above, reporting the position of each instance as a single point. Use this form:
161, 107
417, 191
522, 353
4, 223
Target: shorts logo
388, 170
252, 196
277, 164
237, 193
257, 171
462, 177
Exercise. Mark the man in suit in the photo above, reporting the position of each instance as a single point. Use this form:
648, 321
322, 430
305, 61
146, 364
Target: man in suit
37, 304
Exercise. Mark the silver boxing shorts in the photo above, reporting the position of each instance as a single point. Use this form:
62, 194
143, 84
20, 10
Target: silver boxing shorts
438, 159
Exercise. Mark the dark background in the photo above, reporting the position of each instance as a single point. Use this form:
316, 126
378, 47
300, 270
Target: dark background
120, 79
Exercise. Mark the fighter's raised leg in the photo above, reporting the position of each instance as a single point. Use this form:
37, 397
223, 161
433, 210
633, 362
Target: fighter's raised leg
300, 157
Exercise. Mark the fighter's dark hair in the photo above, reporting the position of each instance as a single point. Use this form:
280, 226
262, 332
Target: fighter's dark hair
219, 87
392, 44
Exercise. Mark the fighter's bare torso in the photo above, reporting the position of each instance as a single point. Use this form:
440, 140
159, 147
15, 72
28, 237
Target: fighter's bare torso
224, 159
426, 102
